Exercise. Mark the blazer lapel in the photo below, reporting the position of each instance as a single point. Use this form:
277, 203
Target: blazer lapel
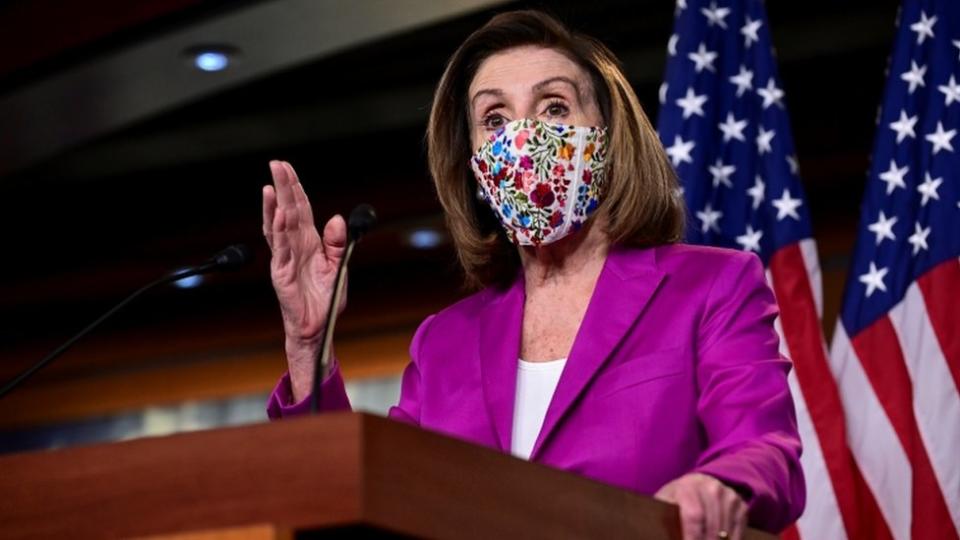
498, 349
628, 280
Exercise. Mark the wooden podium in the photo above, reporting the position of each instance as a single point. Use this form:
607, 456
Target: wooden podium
343, 474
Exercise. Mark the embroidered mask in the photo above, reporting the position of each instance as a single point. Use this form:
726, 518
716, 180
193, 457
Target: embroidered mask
542, 180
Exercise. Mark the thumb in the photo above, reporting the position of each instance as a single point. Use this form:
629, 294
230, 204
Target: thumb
335, 238
667, 493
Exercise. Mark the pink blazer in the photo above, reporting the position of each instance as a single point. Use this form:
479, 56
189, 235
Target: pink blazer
675, 369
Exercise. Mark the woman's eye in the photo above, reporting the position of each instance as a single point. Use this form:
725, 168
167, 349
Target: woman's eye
556, 109
493, 121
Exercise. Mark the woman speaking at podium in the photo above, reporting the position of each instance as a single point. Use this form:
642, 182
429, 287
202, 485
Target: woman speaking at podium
597, 344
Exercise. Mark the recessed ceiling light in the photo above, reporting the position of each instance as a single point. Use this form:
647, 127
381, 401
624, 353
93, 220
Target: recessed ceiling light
425, 238
188, 282
211, 61
211, 58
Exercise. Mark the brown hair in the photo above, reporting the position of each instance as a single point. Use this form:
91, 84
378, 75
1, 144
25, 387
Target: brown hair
639, 205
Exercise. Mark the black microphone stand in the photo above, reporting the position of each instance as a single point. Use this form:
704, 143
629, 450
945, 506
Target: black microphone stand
232, 256
361, 219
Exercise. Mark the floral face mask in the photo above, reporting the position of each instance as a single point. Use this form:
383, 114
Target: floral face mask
542, 180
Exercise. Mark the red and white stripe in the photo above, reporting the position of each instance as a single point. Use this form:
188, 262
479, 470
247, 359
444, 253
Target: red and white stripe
831, 512
899, 380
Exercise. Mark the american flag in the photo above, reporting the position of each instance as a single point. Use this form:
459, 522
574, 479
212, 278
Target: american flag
725, 127
896, 349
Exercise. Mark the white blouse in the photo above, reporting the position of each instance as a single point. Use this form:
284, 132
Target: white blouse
536, 383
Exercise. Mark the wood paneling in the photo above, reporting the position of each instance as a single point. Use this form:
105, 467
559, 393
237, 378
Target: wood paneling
252, 370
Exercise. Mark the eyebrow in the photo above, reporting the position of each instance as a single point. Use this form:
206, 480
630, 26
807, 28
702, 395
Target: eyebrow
560, 78
536, 88
492, 92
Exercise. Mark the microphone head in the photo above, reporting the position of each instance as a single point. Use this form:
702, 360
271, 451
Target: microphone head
232, 256
362, 219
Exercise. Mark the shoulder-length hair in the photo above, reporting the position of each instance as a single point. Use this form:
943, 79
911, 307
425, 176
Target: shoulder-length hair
639, 204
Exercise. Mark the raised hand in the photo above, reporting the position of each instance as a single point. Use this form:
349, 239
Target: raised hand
303, 268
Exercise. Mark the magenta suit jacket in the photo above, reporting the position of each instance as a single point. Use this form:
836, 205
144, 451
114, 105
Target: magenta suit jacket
675, 369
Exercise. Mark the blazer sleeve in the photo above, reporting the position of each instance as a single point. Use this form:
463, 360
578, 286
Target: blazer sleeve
744, 401
333, 393
408, 409
333, 396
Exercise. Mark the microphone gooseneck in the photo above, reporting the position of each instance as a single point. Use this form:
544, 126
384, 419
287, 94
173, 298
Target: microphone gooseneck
361, 220
230, 257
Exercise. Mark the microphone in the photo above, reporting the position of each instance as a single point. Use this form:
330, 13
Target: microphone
361, 220
230, 257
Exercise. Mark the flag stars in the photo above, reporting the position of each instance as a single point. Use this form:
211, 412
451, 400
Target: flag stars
743, 80
679, 151
794, 165
894, 177
750, 240
787, 206
956, 43
928, 189
919, 238
771, 94
715, 15
914, 76
924, 27
663, 92
672, 44
764, 139
941, 139
710, 219
873, 279
757, 191
951, 91
749, 31
692, 104
721, 173
733, 128
904, 126
883, 228
703, 58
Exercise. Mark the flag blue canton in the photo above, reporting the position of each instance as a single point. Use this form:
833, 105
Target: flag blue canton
725, 127
911, 210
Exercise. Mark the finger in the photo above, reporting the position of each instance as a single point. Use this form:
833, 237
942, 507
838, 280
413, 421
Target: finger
691, 514
281, 240
711, 495
295, 221
335, 238
269, 209
292, 174
666, 494
303, 206
739, 517
283, 183
727, 501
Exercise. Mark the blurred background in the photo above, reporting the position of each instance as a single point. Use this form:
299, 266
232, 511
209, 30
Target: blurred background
135, 136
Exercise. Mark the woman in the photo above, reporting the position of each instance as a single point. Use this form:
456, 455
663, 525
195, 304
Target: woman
597, 345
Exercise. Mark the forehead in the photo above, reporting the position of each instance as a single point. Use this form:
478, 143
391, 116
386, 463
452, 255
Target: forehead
523, 67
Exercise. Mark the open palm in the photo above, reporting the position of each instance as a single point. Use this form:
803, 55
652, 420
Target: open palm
303, 264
